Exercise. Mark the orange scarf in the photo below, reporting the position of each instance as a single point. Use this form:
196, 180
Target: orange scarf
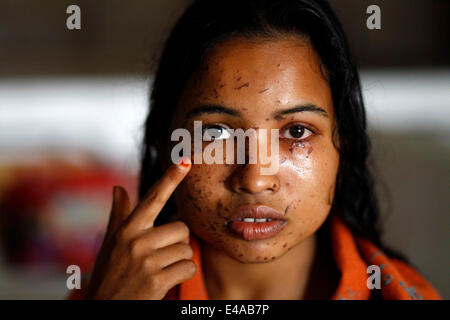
353, 255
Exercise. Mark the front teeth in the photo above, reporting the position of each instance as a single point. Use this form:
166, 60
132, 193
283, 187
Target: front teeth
256, 220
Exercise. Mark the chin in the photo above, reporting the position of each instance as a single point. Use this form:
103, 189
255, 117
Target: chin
257, 251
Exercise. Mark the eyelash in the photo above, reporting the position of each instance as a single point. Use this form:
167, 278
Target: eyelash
214, 125
302, 126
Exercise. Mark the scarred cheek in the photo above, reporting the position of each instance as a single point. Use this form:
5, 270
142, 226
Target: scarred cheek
297, 156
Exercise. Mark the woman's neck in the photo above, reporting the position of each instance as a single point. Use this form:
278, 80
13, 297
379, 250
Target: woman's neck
284, 278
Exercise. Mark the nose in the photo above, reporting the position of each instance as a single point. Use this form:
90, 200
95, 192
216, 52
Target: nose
248, 179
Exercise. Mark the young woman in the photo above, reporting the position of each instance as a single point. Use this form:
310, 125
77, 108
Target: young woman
227, 231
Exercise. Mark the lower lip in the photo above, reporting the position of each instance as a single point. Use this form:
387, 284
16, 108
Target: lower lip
256, 230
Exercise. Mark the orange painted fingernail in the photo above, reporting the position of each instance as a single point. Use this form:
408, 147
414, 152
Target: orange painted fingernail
185, 162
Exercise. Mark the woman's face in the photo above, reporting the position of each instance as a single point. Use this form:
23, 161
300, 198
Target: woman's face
258, 84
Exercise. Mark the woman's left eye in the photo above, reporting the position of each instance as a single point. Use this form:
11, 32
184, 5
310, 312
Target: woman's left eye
298, 132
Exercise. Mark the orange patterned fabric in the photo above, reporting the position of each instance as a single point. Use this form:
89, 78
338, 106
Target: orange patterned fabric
353, 255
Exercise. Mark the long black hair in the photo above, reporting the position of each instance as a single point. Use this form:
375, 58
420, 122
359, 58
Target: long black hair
206, 23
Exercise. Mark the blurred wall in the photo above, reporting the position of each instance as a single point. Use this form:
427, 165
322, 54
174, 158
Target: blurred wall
124, 37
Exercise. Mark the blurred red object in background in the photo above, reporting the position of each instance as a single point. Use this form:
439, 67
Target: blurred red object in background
56, 212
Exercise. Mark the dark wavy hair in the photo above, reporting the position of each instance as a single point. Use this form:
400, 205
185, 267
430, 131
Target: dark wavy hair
206, 23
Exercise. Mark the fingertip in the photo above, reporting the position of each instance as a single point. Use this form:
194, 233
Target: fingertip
120, 194
114, 191
115, 194
184, 163
194, 268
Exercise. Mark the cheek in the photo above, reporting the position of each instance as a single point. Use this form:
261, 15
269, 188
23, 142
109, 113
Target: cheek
309, 173
199, 195
311, 164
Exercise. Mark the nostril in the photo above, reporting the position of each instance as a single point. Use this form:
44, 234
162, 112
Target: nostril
243, 190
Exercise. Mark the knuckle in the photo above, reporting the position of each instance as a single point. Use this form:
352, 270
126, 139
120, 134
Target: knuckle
134, 248
152, 197
152, 239
155, 282
149, 264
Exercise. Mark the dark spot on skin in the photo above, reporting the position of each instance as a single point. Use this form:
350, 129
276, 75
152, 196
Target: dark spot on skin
197, 207
152, 198
221, 85
278, 65
239, 79
279, 118
264, 90
283, 160
309, 152
273, 258
274, 185
288, 184
190, 197
243, 86
287, 208
267, 119
278, 101
285, 245
241, 255
245, 109
213, 228
265, 258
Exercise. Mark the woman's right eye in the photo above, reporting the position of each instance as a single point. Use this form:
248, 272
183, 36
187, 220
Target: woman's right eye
216, 132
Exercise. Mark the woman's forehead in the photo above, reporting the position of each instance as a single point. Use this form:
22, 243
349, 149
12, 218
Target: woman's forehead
269, 74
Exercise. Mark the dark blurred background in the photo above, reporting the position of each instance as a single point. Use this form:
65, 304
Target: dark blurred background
73, 102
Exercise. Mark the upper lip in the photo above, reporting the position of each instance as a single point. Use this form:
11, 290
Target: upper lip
256, 212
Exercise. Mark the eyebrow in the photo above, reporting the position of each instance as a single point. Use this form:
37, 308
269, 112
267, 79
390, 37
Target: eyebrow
208, 109
211, 109
301, 108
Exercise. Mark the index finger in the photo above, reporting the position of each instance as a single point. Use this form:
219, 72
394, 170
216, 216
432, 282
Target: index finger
144, 215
